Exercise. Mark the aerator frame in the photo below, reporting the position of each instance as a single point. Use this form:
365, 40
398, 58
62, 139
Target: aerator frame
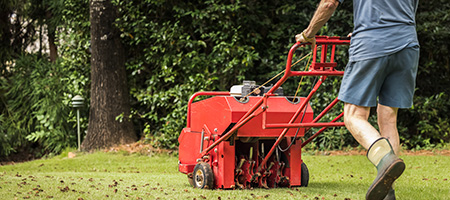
225, 140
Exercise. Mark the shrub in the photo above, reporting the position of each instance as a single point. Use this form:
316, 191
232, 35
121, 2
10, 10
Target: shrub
37, 107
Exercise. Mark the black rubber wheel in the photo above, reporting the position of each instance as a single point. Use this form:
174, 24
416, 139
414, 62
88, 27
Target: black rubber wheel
203, 176
304, 177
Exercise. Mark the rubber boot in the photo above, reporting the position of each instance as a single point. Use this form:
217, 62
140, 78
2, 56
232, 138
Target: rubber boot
389, 168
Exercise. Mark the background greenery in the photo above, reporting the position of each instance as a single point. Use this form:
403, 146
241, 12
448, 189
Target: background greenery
175, 48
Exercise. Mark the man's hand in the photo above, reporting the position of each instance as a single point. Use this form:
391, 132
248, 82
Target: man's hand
302, 38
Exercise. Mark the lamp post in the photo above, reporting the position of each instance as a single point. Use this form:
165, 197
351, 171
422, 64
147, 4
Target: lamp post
78, 102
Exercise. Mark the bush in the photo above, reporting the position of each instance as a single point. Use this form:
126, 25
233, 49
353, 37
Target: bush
428, 125
36, 107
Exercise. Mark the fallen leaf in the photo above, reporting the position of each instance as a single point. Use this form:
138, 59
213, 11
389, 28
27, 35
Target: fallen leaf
65, 189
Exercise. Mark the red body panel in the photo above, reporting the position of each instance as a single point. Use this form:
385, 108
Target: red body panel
220, 111
188, 150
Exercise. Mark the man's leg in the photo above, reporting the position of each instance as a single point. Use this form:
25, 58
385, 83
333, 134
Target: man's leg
380, 151
355, 119
387, 122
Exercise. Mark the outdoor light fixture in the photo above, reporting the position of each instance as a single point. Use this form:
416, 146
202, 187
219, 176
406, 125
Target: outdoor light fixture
78, 102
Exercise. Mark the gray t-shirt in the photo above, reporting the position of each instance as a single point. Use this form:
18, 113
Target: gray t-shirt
382, 27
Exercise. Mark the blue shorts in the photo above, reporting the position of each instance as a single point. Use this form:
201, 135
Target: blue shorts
391, 79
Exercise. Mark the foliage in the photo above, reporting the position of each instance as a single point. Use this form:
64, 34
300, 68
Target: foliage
35, 107
428, 121
434, 34
74, 50
180, 44
176, 48
35, 94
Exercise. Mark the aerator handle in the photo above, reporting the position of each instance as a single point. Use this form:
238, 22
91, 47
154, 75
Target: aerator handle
324, 42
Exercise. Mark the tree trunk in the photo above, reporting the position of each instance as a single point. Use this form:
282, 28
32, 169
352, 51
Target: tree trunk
52, 45
51, 34
5, 35
109, 90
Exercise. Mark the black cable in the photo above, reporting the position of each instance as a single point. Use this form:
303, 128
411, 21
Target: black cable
296, 133
298, 129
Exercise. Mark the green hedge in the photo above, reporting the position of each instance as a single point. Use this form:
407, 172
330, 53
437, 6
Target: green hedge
179, 47
175, 48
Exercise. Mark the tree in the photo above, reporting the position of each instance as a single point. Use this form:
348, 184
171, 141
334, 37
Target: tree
5, 33
109, 91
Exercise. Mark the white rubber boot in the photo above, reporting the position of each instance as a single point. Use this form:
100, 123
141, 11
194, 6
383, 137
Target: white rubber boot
389, 168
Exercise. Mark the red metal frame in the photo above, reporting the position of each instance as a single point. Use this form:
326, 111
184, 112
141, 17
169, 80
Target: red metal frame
322, 68
325, 41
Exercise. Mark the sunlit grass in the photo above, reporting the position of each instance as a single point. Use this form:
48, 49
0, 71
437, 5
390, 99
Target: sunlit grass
122, 176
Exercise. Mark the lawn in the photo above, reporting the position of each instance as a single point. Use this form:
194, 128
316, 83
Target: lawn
122, 176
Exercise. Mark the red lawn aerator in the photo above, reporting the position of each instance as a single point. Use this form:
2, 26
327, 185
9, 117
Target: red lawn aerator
249, 137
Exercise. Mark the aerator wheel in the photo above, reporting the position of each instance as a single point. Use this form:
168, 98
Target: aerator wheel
304, 177
203, 176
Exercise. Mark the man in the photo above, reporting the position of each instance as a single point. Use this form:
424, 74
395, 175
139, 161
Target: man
384, 54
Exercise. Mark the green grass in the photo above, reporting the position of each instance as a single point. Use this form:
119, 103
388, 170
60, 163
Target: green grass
120, 176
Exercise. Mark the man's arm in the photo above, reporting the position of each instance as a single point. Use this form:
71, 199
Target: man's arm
323, 13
